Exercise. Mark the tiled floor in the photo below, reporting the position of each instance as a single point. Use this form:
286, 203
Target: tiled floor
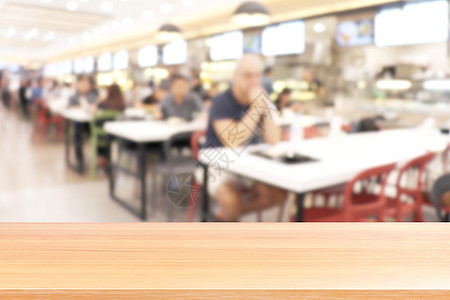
36, 186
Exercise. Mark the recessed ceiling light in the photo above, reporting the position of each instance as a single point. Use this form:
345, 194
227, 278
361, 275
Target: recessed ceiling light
165, 8
31, 34
72, 5
105, 29
87, 36
147, 14
106, 6
127, 21
188, 2
115, 25
319, 27
96, 32
83, 0
46, 1
72, 41
49, 36
11, 32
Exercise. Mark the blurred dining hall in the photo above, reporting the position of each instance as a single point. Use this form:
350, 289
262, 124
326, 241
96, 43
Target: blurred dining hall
232, 111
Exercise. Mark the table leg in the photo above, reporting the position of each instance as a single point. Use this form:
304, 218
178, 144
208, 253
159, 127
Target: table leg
67, 140
110, 167
300, 209
78, 143
114, 168
143, 170
69, 134
205, 200
77, 136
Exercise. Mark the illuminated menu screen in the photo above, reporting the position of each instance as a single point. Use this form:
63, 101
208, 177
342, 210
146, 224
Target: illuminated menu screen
175, 53
284, 38
413, 23
228, 45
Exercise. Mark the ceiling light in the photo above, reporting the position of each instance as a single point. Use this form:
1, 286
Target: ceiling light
72, 41
49, 36
105, 29
11, 32
188, 2
87, 36
96, 32
83, 0
251, 14
147, 14
106, 6
319, 27
30, 34
127, 21
46, 1
115, 25
169, 32
165, 8
72, 5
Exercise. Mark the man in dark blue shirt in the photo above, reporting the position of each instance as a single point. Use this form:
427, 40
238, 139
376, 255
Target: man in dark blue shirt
239, 117
440, 196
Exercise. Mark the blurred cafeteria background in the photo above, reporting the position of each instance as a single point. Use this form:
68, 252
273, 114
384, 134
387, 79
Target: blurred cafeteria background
195, 110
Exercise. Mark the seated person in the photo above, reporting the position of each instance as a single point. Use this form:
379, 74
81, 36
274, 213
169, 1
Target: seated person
243, 109
114, 101
36, 89
440, 195
180, 102
152, 103
210, 94
284, 101
85, 96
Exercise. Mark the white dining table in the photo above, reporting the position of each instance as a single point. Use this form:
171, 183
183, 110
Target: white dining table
150, 131
142, 133
337, 159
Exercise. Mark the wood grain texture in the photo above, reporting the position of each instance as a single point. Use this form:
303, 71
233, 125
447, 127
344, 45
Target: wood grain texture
236, 261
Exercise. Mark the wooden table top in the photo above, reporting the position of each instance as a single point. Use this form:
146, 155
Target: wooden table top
240, 260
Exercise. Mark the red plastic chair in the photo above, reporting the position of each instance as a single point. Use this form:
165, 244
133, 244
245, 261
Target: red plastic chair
195, 147
308, 133
44, 119
445, 159
398, 208
356, 206
347, 128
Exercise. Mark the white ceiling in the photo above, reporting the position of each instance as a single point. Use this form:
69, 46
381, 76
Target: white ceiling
37, 28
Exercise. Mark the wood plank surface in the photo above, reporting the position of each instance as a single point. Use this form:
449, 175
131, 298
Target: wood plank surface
233, 261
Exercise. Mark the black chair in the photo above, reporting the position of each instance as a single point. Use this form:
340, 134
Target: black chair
440, 187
